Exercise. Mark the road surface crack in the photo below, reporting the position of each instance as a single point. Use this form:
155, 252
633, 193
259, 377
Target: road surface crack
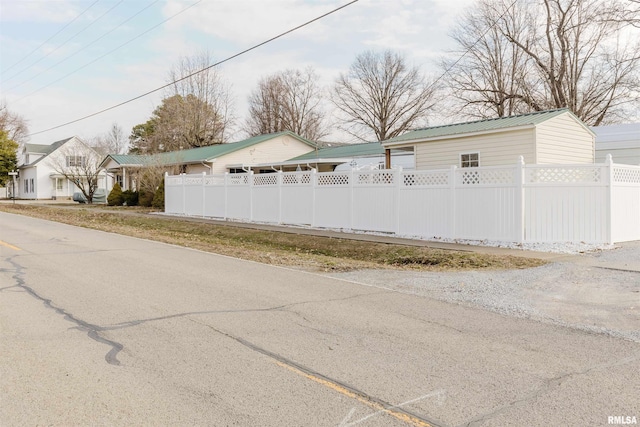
548, 385
93, 331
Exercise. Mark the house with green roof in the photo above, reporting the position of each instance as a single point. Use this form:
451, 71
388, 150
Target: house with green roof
330, 158
40, 166
545, 137
213, 159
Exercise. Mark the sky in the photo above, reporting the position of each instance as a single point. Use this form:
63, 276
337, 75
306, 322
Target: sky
61, 60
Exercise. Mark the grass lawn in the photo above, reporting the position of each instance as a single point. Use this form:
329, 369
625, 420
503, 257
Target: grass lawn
306, 252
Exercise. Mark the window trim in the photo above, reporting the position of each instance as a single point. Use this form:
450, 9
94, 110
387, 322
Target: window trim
468, 163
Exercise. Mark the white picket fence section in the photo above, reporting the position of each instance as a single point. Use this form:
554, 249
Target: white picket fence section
597, 203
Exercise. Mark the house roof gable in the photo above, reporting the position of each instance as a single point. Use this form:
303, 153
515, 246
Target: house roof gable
197, 155
487, 125
45, 150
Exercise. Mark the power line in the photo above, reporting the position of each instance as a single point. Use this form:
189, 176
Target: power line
202, 70
58, 32
109, 53
87, 45
60, 46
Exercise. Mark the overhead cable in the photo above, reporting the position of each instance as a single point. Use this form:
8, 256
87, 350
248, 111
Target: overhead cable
200, 71
47, 40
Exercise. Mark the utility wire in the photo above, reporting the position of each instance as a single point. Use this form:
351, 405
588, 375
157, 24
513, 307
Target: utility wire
202, 70
61, 46
109, 53
58, 32
87, 45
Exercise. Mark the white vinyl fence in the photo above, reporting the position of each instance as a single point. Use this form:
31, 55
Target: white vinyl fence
597, 203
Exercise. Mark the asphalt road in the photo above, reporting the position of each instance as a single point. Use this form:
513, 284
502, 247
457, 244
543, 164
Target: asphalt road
101, 329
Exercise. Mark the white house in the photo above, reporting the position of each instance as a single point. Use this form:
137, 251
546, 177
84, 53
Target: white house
546, 137
40, 166
213, 159
621, 141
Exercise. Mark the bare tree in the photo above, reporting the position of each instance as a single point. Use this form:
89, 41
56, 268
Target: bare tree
204, 114
491, 68
381, 95
79, 163
536, 55
289, 100
111, 142
13, 124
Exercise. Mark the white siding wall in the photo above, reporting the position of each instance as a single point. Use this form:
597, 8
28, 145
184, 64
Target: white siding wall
562, 140
496, 149
26, 175
627, 156
276, 149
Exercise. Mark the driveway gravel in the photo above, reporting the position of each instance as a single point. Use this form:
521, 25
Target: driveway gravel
597, 292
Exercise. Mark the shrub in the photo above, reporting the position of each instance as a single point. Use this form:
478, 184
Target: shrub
115, 197
145, 198
130, 198
158, 197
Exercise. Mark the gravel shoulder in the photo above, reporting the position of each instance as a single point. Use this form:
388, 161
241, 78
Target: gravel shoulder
596, 292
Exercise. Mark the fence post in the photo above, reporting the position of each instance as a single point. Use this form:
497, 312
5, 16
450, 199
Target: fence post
608, 164
251, 195
184, 196
351, 195
166, 183
279, 182
314, 184
226, 195
452, 201
398, 187
520, 201
203, 195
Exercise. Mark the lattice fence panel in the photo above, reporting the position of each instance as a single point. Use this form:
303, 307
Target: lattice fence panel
193, 180
374, 177
565, 175
296, 178
174, 180
214, 180
238, 179
425, 179
265, 179
333, 179
487, 176
626, 175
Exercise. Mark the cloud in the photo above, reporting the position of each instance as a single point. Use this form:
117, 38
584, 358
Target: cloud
246, 22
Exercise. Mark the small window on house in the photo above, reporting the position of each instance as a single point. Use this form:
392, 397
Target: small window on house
58, 184
183, 168
470, 160
75, 161
32, 187
119, 180
26, 185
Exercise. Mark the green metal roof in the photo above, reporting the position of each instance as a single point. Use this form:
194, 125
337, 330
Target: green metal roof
197, 155
349, 150
486, 125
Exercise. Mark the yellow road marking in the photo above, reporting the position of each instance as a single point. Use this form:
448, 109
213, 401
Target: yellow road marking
10, 246
337, 387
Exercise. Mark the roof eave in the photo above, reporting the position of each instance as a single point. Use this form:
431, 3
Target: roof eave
458, 135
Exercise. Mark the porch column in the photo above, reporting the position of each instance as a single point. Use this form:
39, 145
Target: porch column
387, 158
